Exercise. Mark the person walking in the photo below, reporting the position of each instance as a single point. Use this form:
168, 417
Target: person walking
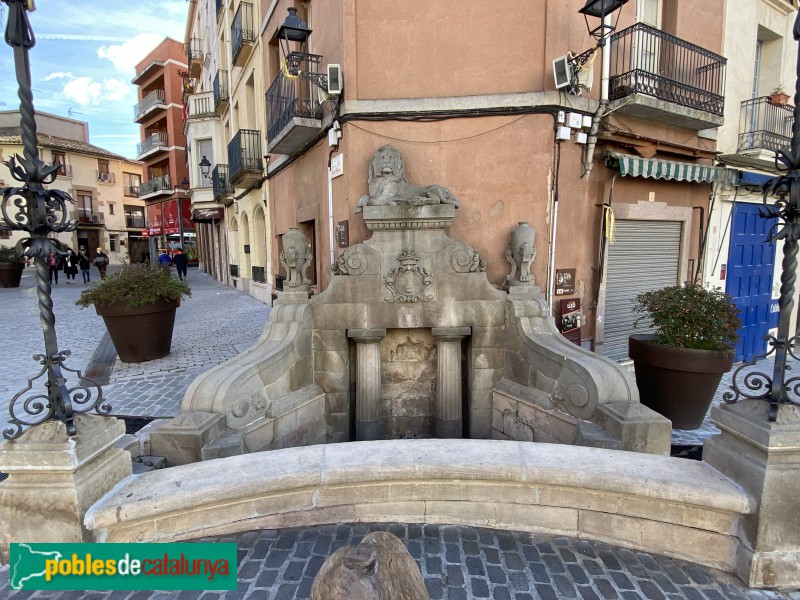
181, 261
53, 266
85, 264
71, 266
101, 262
164, 261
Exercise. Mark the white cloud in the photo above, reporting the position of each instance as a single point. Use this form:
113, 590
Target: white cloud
85, 91
125, 56
59, 75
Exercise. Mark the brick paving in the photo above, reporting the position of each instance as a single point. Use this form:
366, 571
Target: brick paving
217, 323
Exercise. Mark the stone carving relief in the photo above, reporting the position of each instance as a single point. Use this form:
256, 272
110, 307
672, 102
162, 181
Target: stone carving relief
351, 262
467, 260
520, 254
388, 184
408, 282
295, 259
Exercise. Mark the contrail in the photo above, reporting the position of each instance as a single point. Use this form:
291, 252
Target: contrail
83, 38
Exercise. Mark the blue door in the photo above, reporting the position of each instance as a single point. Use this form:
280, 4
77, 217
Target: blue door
751, 265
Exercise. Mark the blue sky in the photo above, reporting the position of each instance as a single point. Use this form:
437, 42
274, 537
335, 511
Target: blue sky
84, 60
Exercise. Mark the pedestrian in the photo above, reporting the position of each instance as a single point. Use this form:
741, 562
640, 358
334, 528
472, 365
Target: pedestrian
181, 261
85, 264
164, 261
53, 266
71, 266
101, 262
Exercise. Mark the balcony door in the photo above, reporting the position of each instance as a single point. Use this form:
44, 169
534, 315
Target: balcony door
646, 48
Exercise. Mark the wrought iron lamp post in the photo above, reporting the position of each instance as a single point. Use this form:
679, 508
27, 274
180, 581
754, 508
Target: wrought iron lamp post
779, 389
39, 212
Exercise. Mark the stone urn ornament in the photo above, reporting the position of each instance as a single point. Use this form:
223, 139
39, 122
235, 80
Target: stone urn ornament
520, 254
295, 259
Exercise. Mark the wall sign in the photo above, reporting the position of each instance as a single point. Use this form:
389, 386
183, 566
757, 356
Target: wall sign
565, 281
343, 234
337, 166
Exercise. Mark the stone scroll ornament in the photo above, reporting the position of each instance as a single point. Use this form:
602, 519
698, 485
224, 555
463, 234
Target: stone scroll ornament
295, 259
408, 282
351, 262
388, 185
520, 254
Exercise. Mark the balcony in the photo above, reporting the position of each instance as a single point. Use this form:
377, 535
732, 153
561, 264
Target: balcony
220, 183
220, 8
201, 105
244, 157
157, 142
149, 104
194, 52
764, 127
135, 221
104, 177
294, 113
86, 216
243, 34
655, 75
221, 90
155, 187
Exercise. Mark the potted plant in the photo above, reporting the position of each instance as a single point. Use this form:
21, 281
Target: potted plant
11, 267
778, 96
679, 366
138, 305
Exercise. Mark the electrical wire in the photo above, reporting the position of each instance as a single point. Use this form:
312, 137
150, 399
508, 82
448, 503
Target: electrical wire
469, 137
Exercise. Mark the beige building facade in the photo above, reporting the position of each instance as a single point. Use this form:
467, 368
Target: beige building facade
103, 185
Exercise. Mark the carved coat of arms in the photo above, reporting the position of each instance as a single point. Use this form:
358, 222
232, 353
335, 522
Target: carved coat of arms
408, 282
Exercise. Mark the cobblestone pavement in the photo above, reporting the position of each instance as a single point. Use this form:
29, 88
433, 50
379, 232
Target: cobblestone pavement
218, 322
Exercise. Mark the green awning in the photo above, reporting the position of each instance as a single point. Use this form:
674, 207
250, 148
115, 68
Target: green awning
636, 166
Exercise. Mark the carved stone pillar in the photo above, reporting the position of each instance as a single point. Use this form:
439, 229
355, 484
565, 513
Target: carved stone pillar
449, 409
368, 382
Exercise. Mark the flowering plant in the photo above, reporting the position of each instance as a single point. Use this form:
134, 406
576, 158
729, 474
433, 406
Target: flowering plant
690, 316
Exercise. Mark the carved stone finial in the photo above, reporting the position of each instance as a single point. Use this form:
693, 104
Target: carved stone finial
520, 254
388, 185
295, 259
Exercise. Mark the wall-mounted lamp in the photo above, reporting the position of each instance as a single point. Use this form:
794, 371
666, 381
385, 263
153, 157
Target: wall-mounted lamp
601, 9
293, 29
185, 184
205, 166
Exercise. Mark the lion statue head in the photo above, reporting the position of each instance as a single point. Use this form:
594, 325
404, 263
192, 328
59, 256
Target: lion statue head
387, 165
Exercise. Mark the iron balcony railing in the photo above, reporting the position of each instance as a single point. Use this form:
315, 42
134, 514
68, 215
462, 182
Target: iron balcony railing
290, 97
154, 141
87, 215
220, 88
152, 99
134, 221
764, 125
244, 154
645, 60
156, 184
195, 49
131, 191
220, 183
242, 30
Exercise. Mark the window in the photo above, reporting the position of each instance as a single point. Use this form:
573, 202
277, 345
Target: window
59, 158
113, 242
649, 12
84, 207
103, 173
131, 183
111, 208
134, 217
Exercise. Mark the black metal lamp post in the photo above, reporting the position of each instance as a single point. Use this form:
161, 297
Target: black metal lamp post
601, 9
205, 166
39, 212
786, 188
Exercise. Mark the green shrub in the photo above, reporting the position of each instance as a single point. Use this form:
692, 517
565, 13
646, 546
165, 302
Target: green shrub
136, 286
690, 316
9, 255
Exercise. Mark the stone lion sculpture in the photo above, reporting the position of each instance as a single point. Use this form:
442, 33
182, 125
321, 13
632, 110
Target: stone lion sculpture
388, 184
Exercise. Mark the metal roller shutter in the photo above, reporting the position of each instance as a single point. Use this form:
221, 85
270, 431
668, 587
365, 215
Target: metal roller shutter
645, 256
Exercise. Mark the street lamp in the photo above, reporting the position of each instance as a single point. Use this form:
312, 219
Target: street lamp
777, 389
205, 166
601, 9
185, 184
39, 212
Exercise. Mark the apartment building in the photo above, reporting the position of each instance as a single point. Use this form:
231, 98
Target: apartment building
225, 120
759, 114
160, 79
105, 186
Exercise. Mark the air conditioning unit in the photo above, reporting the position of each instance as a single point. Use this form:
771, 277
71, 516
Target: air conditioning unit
103, 176
95, 218
562, 72
335, 82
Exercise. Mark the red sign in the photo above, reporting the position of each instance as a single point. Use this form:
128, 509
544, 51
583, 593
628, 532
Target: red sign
171, 216
186, 214
154, 223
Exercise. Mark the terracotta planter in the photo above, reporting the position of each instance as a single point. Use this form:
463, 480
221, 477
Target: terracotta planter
140, 334
779, 99
11, 274
678, 383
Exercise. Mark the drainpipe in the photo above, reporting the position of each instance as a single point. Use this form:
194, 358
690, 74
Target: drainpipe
601, 110
330, 206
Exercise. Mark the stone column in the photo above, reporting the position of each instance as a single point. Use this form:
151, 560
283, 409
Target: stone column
449, 398
764, 458
368, 382
54, 479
